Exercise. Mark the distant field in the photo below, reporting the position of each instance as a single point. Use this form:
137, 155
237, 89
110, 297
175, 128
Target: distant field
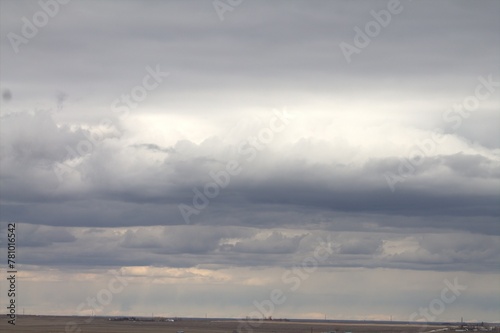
56, 324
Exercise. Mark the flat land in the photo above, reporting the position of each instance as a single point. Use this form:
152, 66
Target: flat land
60, 324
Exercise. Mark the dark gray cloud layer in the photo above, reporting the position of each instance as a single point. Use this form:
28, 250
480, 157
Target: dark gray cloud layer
219, 247
108, 193
293, 47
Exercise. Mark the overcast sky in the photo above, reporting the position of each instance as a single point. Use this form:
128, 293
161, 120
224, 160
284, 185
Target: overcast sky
205, 150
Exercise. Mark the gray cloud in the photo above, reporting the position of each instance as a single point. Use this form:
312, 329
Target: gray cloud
34, 143
473, 166
6, 95
303, 38
154, 147
180, 239
98, 189
197, 246
275, 243
41, 236
361, 246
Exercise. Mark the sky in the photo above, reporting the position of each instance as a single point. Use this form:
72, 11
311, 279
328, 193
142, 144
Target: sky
293, 159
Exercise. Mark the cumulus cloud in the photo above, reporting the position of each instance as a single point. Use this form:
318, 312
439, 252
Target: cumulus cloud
306, 173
